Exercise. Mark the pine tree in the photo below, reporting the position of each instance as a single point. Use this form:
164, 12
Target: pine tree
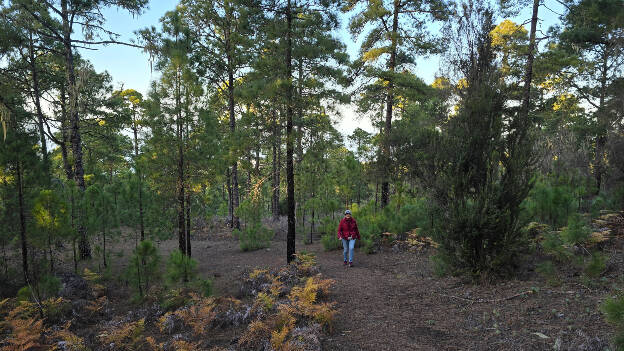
397, 31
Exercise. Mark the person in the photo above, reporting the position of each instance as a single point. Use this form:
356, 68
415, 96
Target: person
348, 232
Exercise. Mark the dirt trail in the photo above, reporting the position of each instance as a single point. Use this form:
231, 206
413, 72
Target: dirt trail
381, 305
392, 301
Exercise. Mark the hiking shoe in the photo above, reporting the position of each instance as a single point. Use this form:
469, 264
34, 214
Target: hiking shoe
345, 263
350, 264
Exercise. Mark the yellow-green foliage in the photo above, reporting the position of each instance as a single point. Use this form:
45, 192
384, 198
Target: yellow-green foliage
199, 315
256, 332
302, 303
257, 272
276, 287
25, 334
264, 301
304, 300
305, 262
128, 336
91, 276
72, 341
23, 328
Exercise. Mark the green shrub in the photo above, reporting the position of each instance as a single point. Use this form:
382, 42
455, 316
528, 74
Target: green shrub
205, 287
330, 242
24, 294
254, 236
551, 200
553, 245
180, 268
144, 267
576, 232
440, 266
596, 265
613, 309
49, 286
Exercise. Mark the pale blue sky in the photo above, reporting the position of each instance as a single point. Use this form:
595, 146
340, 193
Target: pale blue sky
130, 67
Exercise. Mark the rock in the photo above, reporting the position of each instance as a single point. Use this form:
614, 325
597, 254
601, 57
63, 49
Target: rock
74, 287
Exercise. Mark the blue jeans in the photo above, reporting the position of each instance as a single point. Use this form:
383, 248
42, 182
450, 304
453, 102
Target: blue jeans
348, 245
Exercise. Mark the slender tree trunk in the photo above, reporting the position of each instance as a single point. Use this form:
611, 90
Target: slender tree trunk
275, 180
188, 223
139, 176
76, 141
601, 139
50, 253
181, 185
290, 174
229, 191
312, 224
235, 195
104, 249
37, 101
385, 185
299, 123
528, 74
22, 215
69, 172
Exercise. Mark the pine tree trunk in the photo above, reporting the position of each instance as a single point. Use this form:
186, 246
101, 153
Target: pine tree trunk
76, 141
601, 139
235, 195
385, 185
69, 172
22, 215
139, 176
290, 175
37, 101
229, 191
181, 185
188, 223
275, 181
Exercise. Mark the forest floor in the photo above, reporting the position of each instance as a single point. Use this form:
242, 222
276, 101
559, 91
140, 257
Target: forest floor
392, 300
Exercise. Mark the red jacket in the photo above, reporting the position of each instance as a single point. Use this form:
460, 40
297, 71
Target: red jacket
348, 228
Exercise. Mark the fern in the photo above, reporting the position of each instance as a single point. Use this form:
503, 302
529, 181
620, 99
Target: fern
25, 335
128, 336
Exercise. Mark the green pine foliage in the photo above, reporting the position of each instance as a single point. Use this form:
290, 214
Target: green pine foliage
552, 201
144, 268
577, 232
253, 235
484, 171
180, 268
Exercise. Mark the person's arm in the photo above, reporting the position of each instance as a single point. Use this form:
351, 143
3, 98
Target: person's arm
357, 231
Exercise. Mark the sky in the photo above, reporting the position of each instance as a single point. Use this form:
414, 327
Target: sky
130, 67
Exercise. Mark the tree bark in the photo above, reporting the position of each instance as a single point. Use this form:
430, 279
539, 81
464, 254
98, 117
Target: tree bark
69, 172
138, 173
230, 68
229, 191
188, 223
290, 175
24, 244
75, 138
36, 95
601, 138
181, 185
385, 185
275, 180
